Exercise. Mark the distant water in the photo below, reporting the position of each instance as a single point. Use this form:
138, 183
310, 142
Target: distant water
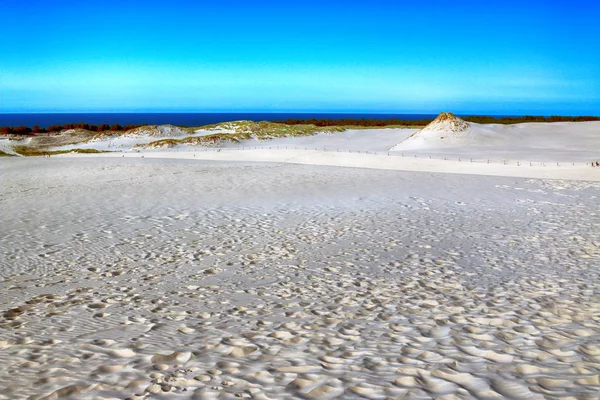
179, 119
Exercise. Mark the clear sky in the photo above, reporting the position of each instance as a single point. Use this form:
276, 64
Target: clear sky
477, 56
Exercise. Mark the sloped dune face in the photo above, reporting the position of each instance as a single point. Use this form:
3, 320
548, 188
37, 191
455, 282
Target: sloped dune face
446, 126
157, 131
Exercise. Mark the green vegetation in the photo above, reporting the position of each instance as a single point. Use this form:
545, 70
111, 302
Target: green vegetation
4, 154
209, 140
36, 151
89, 151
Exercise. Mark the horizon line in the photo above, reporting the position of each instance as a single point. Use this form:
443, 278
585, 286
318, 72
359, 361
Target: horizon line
303, 112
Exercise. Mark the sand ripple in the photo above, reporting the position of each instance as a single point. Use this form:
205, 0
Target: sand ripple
304, 288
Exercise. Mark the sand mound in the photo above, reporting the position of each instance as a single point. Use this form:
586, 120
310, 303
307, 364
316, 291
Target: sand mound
157, 131
6, 147
445, 126
446, 122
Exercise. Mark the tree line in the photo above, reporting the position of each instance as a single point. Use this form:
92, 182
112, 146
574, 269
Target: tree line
25, 130
422, 122
480, 119
354, 122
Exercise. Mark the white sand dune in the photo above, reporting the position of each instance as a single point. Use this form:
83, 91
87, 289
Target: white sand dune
573, 144
558, 141
448, 137
448, 145
140, 136
6, 147
158, 131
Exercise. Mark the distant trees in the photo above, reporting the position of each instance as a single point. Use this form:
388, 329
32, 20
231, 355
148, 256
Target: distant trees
25, 130
354, 122
17, 130
480, 119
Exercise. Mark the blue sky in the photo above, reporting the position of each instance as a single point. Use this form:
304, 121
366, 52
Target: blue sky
485, 57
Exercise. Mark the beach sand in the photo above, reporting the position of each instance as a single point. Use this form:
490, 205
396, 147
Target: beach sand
374, 160
160, 278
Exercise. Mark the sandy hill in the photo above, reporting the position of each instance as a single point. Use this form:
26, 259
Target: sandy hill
157, 131
448, 131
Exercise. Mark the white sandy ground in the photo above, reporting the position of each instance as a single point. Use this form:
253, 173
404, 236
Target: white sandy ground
376, 140
396, 162
182, 279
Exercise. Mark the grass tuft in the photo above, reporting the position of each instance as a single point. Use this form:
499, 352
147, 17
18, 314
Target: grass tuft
33, 151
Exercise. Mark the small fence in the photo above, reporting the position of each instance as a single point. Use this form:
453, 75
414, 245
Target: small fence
518, 163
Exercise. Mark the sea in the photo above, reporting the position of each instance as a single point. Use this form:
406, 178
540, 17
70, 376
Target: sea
180, 119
